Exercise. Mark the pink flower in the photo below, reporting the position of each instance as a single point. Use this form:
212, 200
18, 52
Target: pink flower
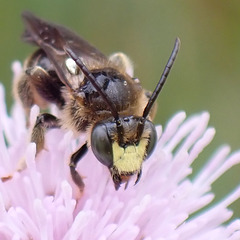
42, 202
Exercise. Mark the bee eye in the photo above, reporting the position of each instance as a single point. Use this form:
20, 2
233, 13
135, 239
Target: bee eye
102, 145
152, 138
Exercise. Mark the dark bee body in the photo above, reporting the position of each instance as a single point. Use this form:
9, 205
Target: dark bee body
94, 94
88, 107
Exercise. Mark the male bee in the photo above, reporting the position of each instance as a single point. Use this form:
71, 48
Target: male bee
94, 93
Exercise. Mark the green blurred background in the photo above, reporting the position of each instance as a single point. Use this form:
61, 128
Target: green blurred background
206, 75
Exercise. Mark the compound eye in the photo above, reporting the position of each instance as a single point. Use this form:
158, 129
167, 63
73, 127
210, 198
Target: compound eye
102, 145
152, 137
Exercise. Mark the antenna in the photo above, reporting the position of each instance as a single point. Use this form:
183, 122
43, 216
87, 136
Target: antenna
93, 81
158, 87
162, 79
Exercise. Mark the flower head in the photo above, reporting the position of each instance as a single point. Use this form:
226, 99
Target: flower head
42, 202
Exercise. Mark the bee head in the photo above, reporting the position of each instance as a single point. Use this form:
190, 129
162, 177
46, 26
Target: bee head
123, 152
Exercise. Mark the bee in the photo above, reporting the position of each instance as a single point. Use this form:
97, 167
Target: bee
95, 94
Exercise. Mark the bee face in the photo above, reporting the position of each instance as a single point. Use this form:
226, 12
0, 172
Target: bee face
91, 91
123, 156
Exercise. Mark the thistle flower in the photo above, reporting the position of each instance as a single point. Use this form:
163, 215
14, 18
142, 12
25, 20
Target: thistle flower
42, 202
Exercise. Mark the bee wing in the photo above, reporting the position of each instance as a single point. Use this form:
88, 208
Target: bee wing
53, 39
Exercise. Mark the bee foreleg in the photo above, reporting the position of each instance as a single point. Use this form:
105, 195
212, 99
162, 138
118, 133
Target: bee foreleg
44, 121
75, 158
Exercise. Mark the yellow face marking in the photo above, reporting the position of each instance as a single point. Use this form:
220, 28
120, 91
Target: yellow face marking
129, 159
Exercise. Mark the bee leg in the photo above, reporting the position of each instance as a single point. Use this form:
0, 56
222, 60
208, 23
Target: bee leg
44, 121
23, 91
25, 88
38, 86
75, 158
